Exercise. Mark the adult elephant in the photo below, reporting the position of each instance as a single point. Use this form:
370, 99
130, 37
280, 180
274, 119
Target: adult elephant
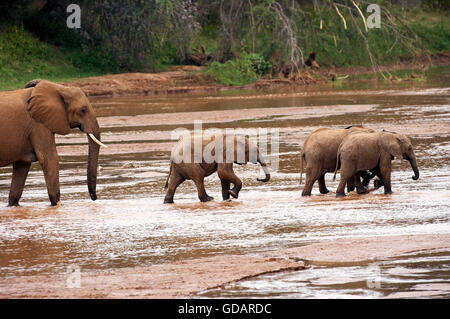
319, 153
197, 156
373, 151
29, 120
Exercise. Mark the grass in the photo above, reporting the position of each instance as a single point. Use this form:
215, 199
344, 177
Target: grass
433, 30
405, 74
24, 57
248, 68
336, 46
341, 47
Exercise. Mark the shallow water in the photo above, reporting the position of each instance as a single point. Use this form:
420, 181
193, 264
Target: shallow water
129, 226
420, 275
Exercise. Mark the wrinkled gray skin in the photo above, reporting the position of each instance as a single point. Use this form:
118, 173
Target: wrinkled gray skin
373, 151
182, 170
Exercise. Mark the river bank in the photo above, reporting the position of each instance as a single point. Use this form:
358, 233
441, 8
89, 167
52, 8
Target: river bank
191, 79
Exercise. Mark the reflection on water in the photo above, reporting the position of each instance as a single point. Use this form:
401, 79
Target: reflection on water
129, 225
408, 276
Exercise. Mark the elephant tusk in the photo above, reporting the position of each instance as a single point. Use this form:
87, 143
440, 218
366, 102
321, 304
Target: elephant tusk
96, 140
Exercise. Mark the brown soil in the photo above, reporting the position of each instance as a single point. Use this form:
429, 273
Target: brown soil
186, 278
190, 79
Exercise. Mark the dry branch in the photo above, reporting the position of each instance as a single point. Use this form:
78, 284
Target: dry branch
295, 51
375, 66
362, 16
342, 17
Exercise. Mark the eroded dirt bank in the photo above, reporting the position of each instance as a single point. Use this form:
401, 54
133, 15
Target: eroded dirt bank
190, 79
186, 278
182, 79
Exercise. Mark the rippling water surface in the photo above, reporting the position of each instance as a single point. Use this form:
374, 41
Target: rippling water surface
129, 225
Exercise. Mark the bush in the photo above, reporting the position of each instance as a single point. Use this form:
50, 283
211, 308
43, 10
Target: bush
94, 59
234, 72
259, 64
18, 45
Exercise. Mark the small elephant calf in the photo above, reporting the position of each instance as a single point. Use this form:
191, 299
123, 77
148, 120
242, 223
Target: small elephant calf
319, 153
375, 152
197, 156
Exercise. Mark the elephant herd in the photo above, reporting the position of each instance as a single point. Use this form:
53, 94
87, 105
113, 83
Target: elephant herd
30, 118
357, 152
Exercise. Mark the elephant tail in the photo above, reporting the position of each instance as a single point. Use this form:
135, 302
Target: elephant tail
168, 176
338, 164
302, 155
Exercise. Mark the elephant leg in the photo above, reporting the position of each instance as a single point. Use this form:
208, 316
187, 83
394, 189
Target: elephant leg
175, 180
44, 146
351, 185
200, 184
386, 182
312, 175
226, 173
347, 174
51, 175
225, 189
19, 175
322, 187
236, 189
385, 170
387, 185
340, 191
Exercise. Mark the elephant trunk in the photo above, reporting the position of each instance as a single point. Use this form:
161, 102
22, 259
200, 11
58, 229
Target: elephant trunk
264, 167
413, 162
94, 149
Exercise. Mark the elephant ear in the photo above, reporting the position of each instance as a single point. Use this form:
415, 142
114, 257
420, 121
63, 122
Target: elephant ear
47, 105
391, 144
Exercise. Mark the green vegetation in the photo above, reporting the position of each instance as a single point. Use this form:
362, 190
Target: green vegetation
243, 70
433, 29
237, 41
24, 57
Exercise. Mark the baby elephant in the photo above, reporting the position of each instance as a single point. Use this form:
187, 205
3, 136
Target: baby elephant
374, 152
319, 153
197, 156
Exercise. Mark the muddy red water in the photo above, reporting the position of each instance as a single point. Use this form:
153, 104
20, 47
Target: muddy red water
129, 226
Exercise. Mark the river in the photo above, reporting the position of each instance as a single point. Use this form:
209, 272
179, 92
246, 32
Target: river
130, 226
